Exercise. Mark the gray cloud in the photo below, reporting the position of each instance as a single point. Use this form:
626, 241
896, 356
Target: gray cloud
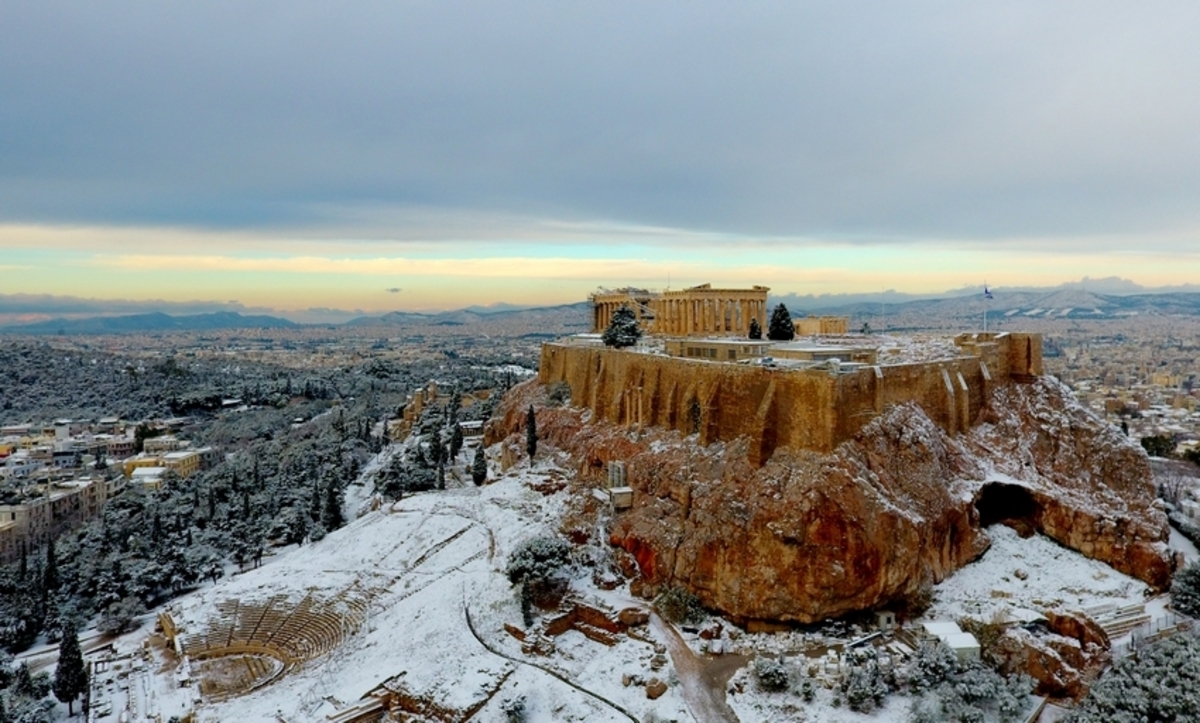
849, 121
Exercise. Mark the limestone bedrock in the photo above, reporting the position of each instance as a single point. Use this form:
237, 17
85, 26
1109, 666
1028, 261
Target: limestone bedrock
809, 535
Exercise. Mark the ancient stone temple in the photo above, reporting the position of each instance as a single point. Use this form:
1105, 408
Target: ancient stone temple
696, 311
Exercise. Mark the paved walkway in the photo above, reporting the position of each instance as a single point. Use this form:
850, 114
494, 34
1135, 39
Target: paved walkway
702, 680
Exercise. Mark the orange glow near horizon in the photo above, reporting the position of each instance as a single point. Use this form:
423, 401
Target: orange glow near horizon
284, 273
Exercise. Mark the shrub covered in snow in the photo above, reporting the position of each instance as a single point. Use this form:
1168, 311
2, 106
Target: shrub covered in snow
680, 606
950, 692
559, 393
514, 709
933, 664
538, 558
1185, 590
865, 687
1160, 683
771, 673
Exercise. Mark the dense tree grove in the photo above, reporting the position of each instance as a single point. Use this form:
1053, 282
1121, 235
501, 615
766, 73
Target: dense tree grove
24, 696
287, 466
1159, 683
146, 546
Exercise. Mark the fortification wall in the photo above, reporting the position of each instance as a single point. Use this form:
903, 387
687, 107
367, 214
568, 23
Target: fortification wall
803, 409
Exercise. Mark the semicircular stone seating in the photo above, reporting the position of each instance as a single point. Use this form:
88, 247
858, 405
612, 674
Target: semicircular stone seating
250, 645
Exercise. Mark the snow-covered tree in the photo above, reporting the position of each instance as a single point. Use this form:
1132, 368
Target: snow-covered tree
1185, 590
456, 441
771, 673
538, 558
70, 676
623, 329
755, 329
780, 327
865, 687
948, 691
1159, 683
479, 466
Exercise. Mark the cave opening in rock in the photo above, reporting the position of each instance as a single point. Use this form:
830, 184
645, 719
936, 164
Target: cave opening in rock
1010, 504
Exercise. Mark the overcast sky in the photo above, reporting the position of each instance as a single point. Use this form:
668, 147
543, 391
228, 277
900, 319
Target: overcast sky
419, 155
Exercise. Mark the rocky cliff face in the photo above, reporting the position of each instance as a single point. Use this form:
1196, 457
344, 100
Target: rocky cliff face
810, 536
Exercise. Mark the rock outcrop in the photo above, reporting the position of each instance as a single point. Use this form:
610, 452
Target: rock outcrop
808, 536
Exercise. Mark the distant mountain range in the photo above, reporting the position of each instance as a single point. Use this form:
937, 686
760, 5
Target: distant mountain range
149, 323
556, 319
1079, 300
1106, 287
577, 314
1009, 306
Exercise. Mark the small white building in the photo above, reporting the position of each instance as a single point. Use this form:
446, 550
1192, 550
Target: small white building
964, 645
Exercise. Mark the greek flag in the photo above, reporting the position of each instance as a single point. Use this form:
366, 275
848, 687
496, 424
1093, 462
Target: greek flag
986, 294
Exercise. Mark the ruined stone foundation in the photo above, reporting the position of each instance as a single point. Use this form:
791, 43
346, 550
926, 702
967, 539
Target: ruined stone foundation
810, 535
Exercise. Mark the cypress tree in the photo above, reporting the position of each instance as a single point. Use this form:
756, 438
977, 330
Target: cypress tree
70, 677
331, 516
531, 434
781, 327
479, 466
456, 441
755, 329
50, 574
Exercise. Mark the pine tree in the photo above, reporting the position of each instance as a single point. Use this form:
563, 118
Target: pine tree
755, 329
623, 330
70, 677
531, 433
479, 466
781, 327
22, 684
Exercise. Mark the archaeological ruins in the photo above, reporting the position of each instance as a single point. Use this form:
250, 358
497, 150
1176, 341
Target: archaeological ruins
803, 396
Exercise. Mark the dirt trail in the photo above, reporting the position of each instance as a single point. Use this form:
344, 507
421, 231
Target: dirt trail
702, 680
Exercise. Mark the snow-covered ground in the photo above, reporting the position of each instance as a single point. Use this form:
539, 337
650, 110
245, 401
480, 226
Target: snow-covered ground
419, 566
1032, 574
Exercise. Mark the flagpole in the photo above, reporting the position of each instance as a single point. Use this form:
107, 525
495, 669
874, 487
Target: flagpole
987, 295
